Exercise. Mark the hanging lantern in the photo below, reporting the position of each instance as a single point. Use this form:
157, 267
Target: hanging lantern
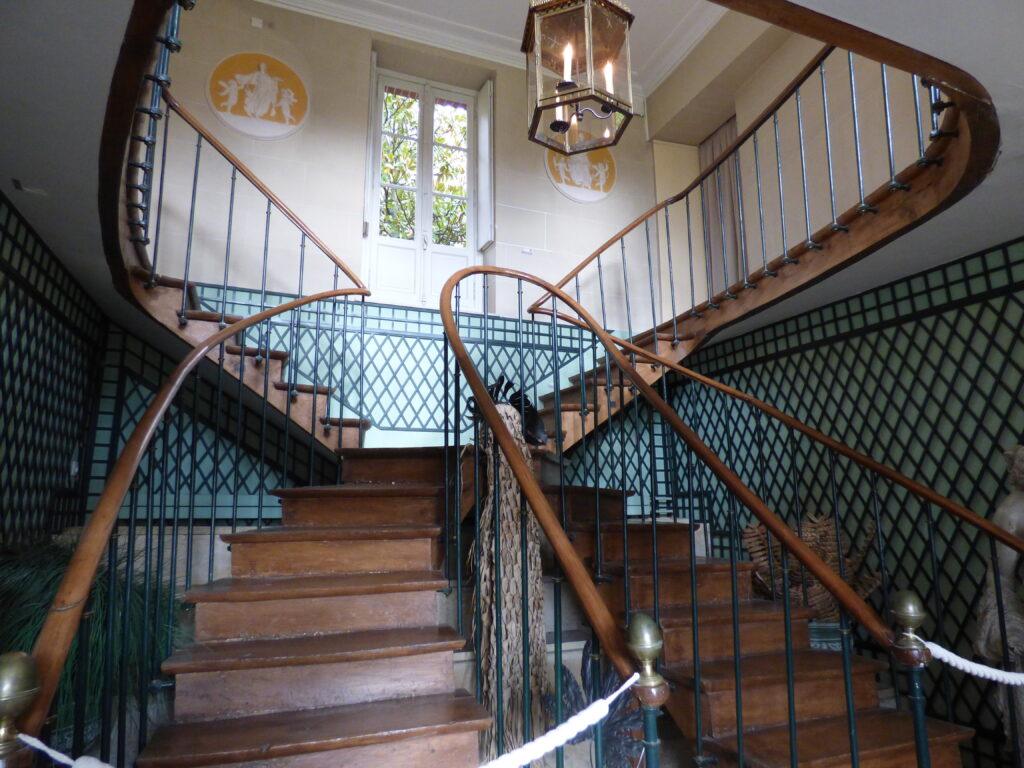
577, 73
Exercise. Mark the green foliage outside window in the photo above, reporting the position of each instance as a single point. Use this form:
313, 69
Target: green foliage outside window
399, 143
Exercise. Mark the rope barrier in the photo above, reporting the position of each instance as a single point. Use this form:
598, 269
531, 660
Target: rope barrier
85, 761
561, 735
974, 668
517, 758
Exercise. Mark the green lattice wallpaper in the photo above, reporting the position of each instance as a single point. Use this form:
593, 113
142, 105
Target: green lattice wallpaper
51, 334
924, 375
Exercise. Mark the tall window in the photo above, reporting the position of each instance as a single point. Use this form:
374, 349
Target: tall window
423, 227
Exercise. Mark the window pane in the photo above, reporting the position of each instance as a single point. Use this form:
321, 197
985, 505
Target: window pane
449, 221
401, 112
398, 160
397, 213
450, 171
451, 123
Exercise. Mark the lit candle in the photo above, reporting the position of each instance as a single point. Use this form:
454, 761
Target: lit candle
609, 79
558, 114
567, 63
607, 133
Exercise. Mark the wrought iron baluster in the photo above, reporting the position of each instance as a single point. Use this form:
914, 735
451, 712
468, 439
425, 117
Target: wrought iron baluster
726, 287
836, 226
160, 199
707, 249
894, 184
741, 223
786, 259
810, 244
182, 320
844, 621
760, 212
671, 278
863, 207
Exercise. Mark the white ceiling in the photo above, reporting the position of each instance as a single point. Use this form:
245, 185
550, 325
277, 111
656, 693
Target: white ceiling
662, 35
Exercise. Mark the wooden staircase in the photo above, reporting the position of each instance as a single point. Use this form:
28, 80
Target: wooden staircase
262, 370
885, 737
323, 648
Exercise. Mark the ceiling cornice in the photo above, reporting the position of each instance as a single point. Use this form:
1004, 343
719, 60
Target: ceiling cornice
688, 31
444, 33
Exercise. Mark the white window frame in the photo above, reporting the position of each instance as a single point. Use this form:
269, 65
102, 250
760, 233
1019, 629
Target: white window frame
426, 293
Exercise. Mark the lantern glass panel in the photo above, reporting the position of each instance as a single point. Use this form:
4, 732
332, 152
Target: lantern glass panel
561, 48
611, 53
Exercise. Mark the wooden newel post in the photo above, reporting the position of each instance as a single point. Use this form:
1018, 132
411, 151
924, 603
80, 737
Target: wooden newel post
651, 690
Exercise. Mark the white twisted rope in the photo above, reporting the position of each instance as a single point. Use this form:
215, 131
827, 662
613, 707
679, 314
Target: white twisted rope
85, 761
974, 668
564, 733
517, 758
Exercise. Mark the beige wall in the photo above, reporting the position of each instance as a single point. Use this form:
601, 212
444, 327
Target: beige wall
320, 170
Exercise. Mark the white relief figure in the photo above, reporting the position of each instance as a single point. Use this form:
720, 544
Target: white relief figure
229, 89
260, 91
284, 103
563, 169
601, 171
580, 171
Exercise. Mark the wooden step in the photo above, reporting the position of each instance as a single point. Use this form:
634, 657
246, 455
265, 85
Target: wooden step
714, 583
211, 317
305, 389
673, 541
410, 732
761, 624
353, 431
293, 551
362, 504
396, 465
885, 739
582, 503
145, 275
818, 685
227, 679
272, 354
286, 607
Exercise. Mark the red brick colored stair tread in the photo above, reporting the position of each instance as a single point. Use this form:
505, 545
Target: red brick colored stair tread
825, 741
348, 490
273, 354
211, 317
338, 533
306, 389
712, 613
314, 649
281, 734
254, 589
675, 565
768, 669
141, 273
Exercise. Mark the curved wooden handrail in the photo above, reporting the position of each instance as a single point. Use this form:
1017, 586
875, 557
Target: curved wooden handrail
243, 169
922, 491
973, 118
598, 613
58, 631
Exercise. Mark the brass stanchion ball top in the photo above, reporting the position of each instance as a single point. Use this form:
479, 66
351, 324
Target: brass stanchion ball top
907, 609
19, 682
645, 639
